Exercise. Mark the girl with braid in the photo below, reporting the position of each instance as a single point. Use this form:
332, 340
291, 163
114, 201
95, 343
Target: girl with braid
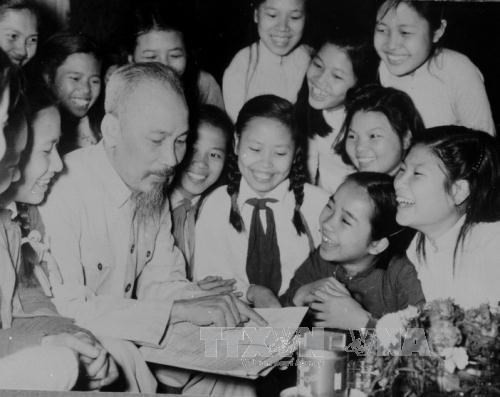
263, 224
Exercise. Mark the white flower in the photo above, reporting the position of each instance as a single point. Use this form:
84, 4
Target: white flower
390, 327
455, 357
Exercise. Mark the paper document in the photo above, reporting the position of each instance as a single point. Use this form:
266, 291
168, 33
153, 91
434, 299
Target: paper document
248, 352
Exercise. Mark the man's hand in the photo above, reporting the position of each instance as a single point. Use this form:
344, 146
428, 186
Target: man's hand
218, 285
223, 310
261, 296
100, 368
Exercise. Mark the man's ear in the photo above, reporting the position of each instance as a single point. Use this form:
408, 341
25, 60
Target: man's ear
460, 191
378, 246
130, 58
236, 143
110, 127
256, 15
438, 33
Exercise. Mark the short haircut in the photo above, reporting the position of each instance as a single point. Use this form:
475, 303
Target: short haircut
19, 5
126, 79
59, 47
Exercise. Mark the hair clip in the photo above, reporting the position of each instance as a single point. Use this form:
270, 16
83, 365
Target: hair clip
477, 164
397, 232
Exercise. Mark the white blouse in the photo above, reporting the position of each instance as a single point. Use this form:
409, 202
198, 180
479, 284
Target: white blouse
473, 278
255, 70
221, 251
324, 164
447, 89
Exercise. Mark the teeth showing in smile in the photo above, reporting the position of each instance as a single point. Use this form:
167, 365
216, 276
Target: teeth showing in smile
328, 241
262, 177
80, 102
318, 93
196, 177
280, 41
364, 160
396, 59
402, 202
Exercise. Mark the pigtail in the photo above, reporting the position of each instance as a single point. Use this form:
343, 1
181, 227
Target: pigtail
298, 176
29, 257
233, 187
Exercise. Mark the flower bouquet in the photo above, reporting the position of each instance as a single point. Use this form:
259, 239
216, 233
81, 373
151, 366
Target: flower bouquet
440, 348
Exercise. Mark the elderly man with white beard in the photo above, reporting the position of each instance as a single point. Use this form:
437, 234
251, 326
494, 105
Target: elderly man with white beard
109, 225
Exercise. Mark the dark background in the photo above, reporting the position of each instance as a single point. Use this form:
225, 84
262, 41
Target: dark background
219, 28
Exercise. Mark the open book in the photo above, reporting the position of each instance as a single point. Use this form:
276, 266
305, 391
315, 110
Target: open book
246, 352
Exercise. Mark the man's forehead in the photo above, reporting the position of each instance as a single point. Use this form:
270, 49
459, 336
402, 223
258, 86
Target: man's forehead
149, 93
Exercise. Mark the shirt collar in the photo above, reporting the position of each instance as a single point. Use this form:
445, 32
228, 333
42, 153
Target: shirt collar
116, 188
12, 207
447, 239
444, 242
335, 117
278, 193
270, 56
176, 198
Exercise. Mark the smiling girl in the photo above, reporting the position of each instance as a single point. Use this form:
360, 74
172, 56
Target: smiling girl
158, 36
19, 25
273, 214
200, 171
446, 86
70, 66
341, 64
352, 279
276, 63
380, 124
448, 190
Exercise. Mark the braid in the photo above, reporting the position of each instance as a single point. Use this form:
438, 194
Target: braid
233, 185
29, 257
298, 176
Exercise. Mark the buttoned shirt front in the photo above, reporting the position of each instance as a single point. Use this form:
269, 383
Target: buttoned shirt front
120, 277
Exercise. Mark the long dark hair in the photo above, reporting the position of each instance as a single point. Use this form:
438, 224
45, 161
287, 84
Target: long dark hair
473, 156
279, 109
363, 59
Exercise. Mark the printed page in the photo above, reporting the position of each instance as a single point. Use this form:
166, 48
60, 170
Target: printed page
245, 352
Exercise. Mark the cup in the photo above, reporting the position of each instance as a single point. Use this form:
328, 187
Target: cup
322, 373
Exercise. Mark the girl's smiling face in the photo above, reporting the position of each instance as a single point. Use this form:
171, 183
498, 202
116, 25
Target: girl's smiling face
403, 38
265, 153
77, 83
373, 145
329, 76
43, 161
164, 46
280, 24
424, 201
346, 225
19, 35
207, 161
